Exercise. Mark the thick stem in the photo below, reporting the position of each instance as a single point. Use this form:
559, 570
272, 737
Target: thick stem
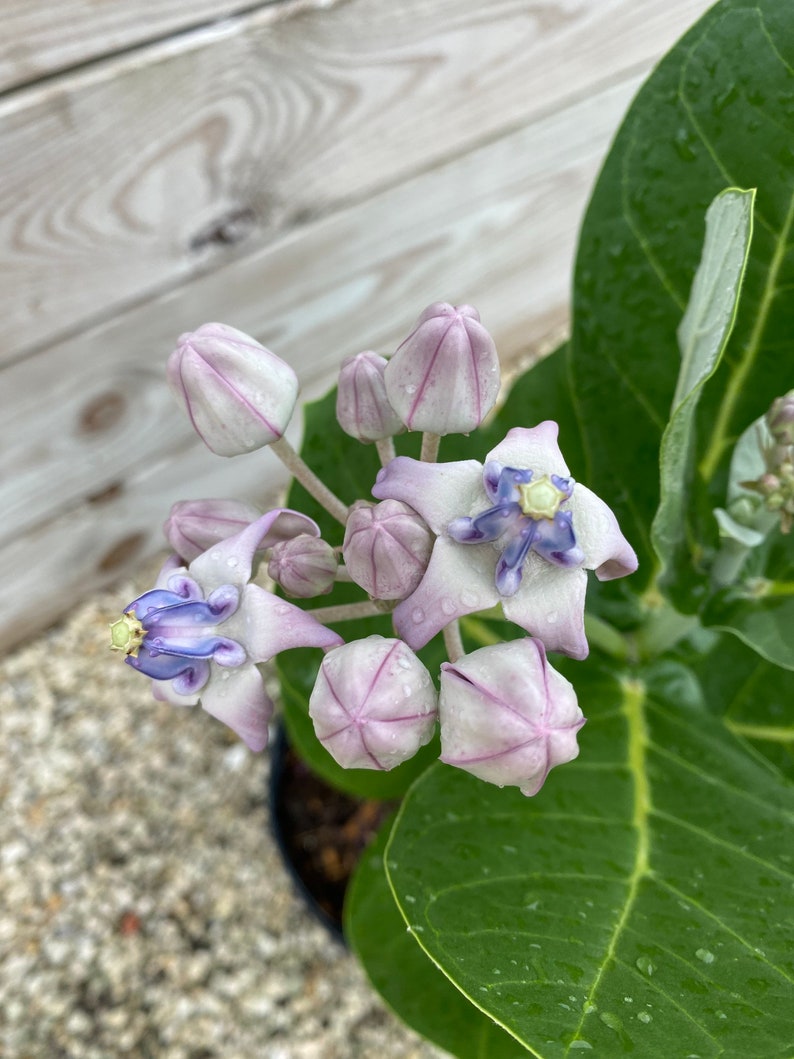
348, 611
342, 574
453, 641
430, 443
385, 447
309, 480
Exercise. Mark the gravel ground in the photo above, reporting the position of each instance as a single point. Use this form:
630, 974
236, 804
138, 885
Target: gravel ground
144, 910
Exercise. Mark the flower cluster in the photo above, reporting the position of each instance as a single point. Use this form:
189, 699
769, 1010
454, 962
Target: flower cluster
440, 542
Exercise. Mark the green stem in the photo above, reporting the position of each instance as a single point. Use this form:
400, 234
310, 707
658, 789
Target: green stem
296, 465
348, 611
605, 637
386, 452
453, 641
430, 444
663, 629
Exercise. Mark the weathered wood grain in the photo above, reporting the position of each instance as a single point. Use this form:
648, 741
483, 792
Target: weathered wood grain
93, 462
133, 175
40, 38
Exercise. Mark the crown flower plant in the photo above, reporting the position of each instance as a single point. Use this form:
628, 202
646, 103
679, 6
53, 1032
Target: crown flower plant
549, 621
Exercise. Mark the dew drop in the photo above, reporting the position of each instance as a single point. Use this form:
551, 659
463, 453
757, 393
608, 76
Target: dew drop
417, 616
552, 617
447, 605
704, 955
581, 1044
644, 964
232, 562
644, 1016
469, 598
410, 388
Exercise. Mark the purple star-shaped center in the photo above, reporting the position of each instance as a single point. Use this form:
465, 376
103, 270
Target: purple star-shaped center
527, 512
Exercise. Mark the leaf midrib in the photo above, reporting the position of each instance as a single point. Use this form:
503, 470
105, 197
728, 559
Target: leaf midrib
638, 740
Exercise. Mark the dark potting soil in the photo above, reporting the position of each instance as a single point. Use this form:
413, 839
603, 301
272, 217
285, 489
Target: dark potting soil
322, 832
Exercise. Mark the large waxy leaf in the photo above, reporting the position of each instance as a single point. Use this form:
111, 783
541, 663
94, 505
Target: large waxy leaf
641, 903
719, 110
753, 696
401, 972
702, 338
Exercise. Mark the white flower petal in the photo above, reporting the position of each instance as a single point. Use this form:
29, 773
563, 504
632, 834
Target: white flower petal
265, 625
238, 698
605, 548
532, 449
439, 492
550, 605
459, 580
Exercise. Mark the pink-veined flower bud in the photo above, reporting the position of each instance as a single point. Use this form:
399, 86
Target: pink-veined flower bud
304, 566
362, 407
780, 419
374, 704
238, 395
387, 548
193, 526
444, 378
506, 716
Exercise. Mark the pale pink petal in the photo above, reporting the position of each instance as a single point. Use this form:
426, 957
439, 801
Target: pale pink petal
288, 524
238, 698
172, 565
229, 562
265, 625
550, 605
532, 449
440, 492
459, 580
605, 548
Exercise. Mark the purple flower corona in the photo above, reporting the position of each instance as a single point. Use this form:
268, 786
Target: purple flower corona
201, 631
506, 716
537, 530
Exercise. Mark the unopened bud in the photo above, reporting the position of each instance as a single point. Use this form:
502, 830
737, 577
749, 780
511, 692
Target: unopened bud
780, 419
444, 378
374, 704
506, 716
238, 395
304, 566
387, 548
362, 407
193, 526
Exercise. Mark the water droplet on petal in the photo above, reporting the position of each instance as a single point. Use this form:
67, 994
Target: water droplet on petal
552, 617
447, 605
417, 615
469, 598
232, 562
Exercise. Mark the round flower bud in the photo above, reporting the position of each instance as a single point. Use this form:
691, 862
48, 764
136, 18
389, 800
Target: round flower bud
238, 395
387, 548
506, 716
780, 419
304, 566
444, 378
373, 704
362, 407
193, 526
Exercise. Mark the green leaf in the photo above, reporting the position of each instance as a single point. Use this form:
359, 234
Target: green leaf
759, 610
641, 903
753, 696
717, 111
403, 975
702, 337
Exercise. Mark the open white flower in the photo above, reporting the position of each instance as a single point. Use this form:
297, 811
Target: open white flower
517, 531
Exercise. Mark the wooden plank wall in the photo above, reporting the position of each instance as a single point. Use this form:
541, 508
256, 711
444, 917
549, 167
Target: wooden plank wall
312, 172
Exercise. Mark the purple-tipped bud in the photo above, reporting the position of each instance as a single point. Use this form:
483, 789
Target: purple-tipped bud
780, 419
507, 716
444, 378
304, 566
374, 704
193, 526
362, 407
387, 548
238, 395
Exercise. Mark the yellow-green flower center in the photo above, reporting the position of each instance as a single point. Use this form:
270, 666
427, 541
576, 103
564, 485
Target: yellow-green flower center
540, 498
127, 634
